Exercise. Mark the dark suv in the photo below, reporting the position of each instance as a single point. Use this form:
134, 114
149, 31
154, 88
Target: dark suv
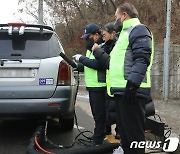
34, 79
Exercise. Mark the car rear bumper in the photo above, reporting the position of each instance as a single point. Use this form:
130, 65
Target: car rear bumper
61, 103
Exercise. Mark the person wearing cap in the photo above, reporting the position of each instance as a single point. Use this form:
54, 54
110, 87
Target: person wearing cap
95, 82
102, 54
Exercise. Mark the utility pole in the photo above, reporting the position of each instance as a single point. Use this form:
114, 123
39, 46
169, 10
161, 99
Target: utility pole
40, 12
167, 52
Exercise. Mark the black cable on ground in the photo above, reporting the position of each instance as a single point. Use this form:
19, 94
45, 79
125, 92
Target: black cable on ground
167, 130
102, 149
39, 147
87, 141
32, 148
40, 136
157, 115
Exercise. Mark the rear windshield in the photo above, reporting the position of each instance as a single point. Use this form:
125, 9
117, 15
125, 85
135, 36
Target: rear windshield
29, 46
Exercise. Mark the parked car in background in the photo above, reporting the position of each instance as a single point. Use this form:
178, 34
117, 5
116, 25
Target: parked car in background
34, 79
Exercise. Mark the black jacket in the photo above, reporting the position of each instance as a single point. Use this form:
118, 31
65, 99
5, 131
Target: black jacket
102, 54
100, 62
137, 59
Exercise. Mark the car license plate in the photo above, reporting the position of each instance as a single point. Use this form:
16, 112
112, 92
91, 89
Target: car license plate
17, 73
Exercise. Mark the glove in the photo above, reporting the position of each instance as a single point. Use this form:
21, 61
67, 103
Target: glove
130, 93
76, 57
95, 46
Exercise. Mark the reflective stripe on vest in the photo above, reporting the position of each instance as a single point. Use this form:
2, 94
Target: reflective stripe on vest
91, 75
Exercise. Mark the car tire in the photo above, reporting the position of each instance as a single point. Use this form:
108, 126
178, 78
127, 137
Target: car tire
66, 124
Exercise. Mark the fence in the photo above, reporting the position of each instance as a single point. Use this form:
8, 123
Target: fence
174, 74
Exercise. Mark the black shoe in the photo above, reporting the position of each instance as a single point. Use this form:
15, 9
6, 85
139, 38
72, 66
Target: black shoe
108, 133
118, 137
96, 144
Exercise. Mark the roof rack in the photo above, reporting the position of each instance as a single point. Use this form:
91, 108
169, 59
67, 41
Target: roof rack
27, 25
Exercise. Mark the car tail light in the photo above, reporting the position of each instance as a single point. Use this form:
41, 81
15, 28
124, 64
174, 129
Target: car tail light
16, 28
53, 104
64, 74
18, 24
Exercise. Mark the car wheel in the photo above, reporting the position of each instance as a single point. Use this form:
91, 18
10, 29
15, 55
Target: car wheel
66, 124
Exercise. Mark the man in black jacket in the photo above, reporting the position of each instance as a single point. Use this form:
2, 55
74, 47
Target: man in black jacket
130, 64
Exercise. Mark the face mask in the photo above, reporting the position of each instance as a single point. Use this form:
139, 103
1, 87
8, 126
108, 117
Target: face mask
109, 42
100, 40
89, 43
118, 25
116, 36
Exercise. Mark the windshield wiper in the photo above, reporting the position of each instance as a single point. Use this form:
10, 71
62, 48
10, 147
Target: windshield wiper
3, 60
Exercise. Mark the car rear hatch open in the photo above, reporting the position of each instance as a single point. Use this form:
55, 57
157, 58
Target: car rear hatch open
29, 62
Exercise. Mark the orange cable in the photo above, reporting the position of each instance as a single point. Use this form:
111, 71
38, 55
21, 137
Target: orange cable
148, 131
37, 144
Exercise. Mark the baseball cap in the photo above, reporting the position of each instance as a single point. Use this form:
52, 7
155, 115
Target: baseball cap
90, 29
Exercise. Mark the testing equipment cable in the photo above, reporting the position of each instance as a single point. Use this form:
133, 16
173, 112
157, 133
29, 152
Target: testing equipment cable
41, 132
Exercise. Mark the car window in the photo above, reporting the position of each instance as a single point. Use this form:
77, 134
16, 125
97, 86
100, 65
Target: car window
29, 46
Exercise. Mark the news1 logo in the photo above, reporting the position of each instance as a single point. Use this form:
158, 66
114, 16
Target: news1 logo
170, 144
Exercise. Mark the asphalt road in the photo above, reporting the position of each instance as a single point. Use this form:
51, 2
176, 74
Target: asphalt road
15, 135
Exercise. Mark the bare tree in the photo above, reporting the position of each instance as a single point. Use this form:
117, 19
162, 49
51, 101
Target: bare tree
71, 16
30, 8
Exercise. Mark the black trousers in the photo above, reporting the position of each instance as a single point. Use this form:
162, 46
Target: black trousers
132, 122
111, 115
97, 102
